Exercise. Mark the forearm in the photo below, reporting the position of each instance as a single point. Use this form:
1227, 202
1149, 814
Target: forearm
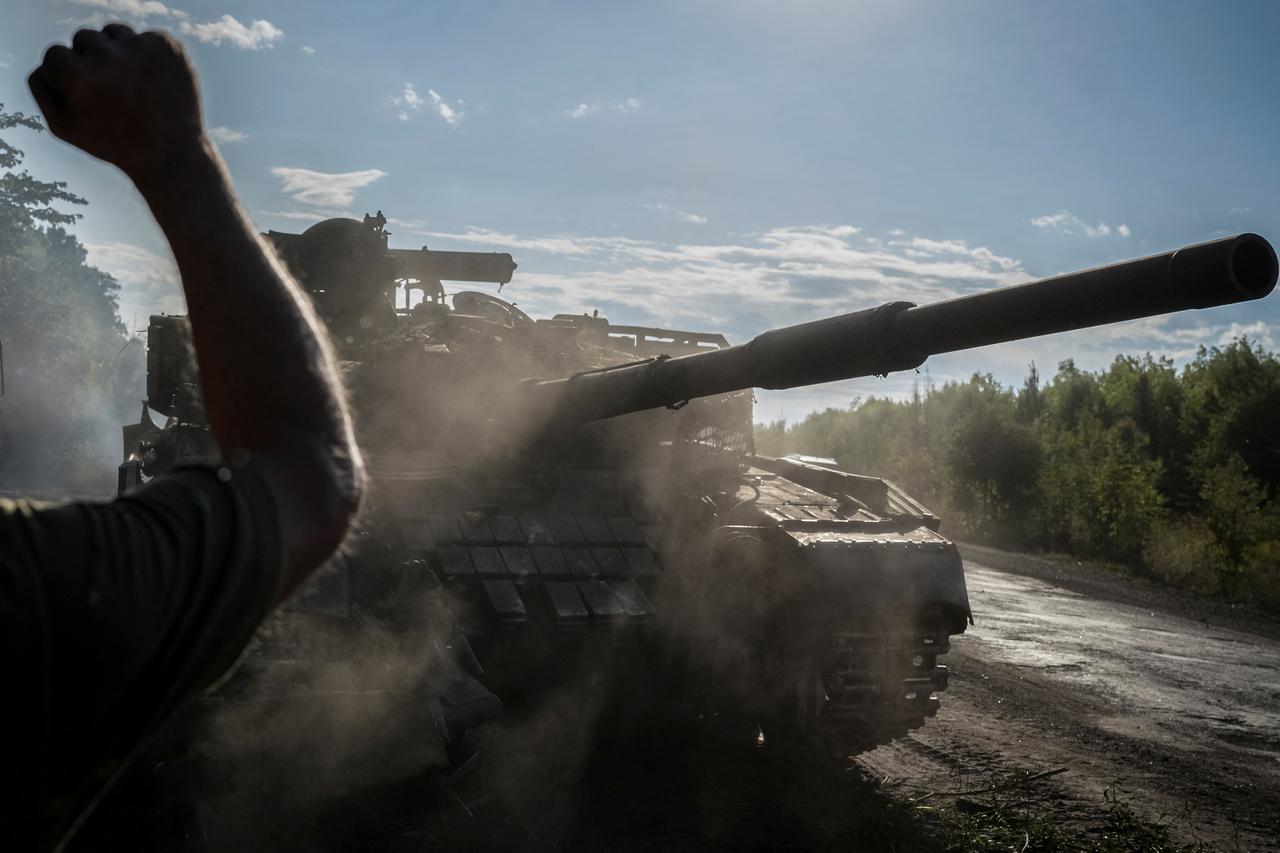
266, 373
269, 381
268, 377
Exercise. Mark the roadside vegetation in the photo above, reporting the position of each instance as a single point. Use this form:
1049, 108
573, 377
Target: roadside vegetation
1015, 816
1171, 473
70, 378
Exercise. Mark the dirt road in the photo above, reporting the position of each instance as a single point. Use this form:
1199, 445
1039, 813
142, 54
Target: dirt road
1180, 711
1172, 705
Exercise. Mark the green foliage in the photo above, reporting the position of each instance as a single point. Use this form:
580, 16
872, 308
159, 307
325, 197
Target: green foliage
1233, 506
1030, 403
65, 374
24, 200
1171, 472
1184, 553
1146, 391
991, 460
1097, 490
1232, 394
771, 439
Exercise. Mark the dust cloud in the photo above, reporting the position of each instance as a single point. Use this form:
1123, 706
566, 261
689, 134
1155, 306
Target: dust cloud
60, 432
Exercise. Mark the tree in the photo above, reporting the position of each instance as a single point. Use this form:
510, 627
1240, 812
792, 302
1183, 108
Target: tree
1231, 396
993, 460
1094, 464
1098, 493
65, 371
25, 201
1233, 507
771, 438
1146, 392
1030, 399
1072, 395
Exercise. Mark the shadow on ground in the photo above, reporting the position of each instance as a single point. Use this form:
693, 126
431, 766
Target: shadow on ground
679, 794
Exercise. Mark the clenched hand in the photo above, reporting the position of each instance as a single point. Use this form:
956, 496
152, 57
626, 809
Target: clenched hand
127, 98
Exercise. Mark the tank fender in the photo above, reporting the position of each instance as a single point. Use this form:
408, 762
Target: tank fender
880, 571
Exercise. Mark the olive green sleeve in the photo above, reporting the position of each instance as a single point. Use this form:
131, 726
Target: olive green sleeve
113, 613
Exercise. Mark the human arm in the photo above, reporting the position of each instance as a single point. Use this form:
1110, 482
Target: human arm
268, 376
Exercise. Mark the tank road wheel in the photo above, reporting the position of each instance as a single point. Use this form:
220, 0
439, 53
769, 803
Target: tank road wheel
797, 700
767, 675
884, 682
869, 688
752, 672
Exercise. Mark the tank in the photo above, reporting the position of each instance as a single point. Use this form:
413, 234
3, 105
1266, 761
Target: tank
571, 507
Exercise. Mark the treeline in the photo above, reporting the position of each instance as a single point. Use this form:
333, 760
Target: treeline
1171, 472
70, 377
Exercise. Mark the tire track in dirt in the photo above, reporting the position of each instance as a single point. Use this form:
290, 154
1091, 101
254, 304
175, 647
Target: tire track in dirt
1180, 715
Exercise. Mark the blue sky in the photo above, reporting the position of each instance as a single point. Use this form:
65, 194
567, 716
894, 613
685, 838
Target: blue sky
727, 166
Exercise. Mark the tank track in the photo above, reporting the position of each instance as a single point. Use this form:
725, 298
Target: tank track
881, 684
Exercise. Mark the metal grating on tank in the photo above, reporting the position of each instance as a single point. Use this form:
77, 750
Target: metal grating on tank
584, 569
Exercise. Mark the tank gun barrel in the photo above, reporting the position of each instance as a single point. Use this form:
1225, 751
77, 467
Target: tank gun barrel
900, 335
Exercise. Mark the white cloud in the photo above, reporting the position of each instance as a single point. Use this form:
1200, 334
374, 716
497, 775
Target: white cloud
692, 218
149, 282
308, 50
255, 35
226, 136
406, 102
132, 9
922, 247
301, 215
1066, 222
785, 275
446, 112
1239, 211
583, 110
324, 189
1259, 332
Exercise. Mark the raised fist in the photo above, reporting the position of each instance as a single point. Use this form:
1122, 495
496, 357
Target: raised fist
127, 98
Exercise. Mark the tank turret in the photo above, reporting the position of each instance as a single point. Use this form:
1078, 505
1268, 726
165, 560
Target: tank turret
355, 280
901, 335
